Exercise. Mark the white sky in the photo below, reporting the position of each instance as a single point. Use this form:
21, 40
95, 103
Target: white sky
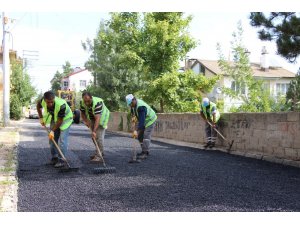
56, 33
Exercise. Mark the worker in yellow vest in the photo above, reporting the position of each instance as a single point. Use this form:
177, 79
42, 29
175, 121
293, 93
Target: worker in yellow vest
95, 115
209, 112
146, 118
58, 114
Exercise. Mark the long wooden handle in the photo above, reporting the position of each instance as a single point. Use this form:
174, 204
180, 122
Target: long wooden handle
58, 148
217, 131
98, 149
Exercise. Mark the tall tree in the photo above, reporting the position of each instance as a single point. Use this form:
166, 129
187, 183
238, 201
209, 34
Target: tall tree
283, 27
115, 62
21, 90
244, 87
166, 41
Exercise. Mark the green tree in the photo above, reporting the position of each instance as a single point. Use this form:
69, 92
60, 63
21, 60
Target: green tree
114, 61
181, 92
56, 80
293, 94
166, 41
244, 87
21, 90
283, 27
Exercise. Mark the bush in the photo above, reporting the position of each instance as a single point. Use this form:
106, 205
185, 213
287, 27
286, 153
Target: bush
15, 107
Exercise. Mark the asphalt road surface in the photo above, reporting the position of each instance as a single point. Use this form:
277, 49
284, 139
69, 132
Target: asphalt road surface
172, 178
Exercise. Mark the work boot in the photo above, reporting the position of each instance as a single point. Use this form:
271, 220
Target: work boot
207, 144
53, 161
143, 155
97, 159
212, 145
60, 164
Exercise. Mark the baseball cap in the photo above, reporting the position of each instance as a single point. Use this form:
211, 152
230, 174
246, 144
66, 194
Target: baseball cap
205, 102
129, 99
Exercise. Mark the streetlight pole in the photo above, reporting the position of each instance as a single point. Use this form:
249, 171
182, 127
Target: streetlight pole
6, 72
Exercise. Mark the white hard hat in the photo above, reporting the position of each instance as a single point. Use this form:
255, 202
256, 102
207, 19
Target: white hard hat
205, 102
129, 99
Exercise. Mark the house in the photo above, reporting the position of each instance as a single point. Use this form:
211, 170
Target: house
275, 79
78, 80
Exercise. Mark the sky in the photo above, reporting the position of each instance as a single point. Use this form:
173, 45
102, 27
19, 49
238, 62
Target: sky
56, 37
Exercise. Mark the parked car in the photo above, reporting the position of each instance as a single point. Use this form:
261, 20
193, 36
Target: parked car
33, 114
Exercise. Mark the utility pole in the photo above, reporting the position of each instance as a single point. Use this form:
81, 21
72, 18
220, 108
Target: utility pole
6, 72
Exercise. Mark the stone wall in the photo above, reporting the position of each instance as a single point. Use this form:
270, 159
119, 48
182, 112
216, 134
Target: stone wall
269, 136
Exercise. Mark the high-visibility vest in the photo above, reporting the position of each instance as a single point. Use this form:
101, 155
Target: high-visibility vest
105, 112
67, 120
150, 116
211, 105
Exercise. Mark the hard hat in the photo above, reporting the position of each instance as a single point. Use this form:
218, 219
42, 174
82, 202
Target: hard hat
205, 102
129, 99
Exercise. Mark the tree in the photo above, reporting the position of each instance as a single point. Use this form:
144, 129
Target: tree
115, 62
166, 41
244, 87
139, 54
21, 90
283, 27
181, 92
56, 80
293, 94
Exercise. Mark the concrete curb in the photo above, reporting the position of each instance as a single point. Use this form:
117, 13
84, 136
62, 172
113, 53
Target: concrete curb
258, 156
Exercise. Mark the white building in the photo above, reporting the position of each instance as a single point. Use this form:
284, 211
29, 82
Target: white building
78, 80
275, 78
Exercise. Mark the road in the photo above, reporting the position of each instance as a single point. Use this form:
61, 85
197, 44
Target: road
173, 178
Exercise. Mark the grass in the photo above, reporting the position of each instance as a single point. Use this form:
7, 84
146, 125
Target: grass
7, 182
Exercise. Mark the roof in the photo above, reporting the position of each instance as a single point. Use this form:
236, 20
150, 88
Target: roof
78, 71
273, 72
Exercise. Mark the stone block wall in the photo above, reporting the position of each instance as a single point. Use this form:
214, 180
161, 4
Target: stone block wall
260, 135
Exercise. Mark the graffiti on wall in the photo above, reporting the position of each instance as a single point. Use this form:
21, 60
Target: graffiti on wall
161, 126
238, 127
290, 128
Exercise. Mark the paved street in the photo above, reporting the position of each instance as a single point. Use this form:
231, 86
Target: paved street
173, 178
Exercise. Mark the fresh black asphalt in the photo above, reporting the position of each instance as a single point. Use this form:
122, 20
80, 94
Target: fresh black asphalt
173, 178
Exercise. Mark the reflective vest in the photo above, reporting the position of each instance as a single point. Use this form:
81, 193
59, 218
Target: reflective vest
150, 116
67, 120
105, 112
211, 105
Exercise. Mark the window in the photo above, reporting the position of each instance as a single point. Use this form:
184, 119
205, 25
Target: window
66, 83
202, 69
237, 88
82, 83
281, 89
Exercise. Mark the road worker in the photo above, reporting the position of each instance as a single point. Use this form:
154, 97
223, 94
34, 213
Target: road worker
210, 114
58, 114
146, 118
95, 115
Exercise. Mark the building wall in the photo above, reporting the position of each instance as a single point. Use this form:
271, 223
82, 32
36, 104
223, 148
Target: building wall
269, 136
74, 80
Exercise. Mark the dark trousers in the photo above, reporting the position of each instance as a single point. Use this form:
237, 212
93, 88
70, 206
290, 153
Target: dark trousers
211, 134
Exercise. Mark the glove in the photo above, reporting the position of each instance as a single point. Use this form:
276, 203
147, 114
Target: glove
135, 134
42, 122
51, 135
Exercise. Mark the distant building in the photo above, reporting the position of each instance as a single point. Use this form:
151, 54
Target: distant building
275, 79
78, 80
